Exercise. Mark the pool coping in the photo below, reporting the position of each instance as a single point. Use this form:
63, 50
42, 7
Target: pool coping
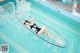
61, 11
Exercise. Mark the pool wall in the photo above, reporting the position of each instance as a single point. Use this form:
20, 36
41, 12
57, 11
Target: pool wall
49, 8
6, 1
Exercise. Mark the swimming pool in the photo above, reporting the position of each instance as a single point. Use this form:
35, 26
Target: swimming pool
21, 40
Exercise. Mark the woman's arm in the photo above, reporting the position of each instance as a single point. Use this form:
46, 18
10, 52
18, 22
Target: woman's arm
27, 27
32, 20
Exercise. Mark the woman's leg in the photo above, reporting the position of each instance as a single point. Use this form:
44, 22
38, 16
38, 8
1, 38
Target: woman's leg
42, 30
51, 36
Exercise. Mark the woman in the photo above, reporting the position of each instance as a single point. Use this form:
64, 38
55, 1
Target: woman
31, 24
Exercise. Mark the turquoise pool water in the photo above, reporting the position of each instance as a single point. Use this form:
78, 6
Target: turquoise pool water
22, 40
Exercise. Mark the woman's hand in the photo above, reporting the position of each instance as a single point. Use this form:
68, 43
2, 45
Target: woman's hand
32, 20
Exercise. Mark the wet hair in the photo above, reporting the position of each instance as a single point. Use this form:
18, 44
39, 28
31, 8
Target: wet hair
26, 21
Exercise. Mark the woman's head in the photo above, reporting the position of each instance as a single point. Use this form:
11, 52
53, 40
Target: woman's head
26, 22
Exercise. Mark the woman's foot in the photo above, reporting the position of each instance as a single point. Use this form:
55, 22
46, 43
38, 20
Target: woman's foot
59, 41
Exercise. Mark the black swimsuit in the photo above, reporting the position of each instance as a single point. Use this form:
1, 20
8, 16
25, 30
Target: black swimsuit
35, 27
